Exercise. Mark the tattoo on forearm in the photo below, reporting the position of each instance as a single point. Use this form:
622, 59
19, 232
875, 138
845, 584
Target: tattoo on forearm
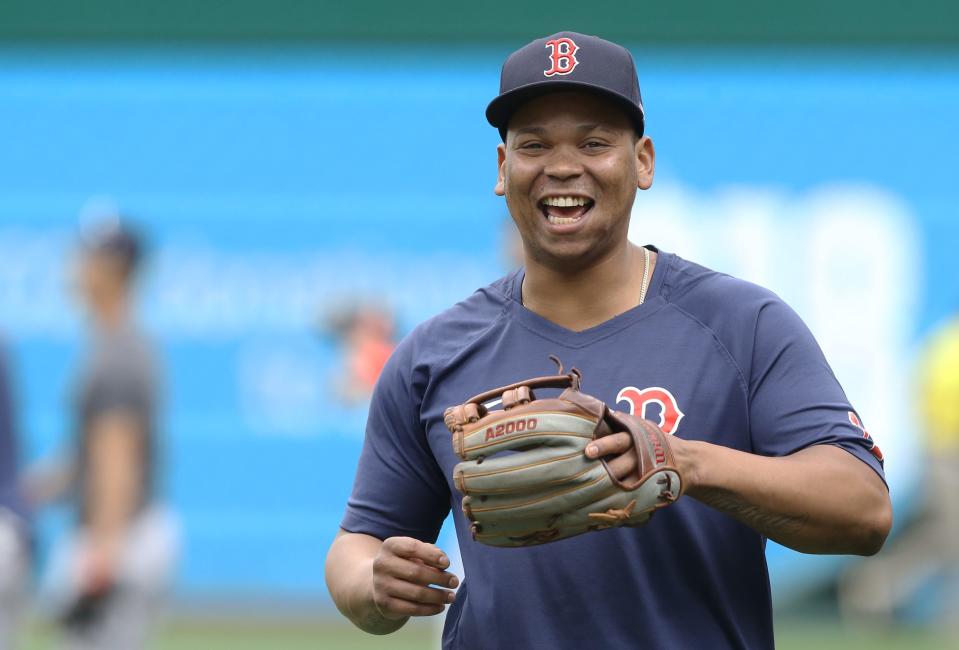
770, 524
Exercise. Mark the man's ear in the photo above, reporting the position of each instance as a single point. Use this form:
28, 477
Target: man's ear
645, 163
500, 189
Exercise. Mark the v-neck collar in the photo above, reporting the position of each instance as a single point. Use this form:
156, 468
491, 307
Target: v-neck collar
572, 339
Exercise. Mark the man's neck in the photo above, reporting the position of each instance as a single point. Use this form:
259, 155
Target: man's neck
112, 315
593, 295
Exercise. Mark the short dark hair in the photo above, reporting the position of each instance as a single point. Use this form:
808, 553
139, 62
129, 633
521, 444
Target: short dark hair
115, 238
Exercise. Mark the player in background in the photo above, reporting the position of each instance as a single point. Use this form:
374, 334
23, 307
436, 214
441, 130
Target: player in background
14, 556
764, 437
107, 577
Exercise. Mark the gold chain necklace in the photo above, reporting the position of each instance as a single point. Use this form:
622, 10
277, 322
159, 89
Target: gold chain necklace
642, 293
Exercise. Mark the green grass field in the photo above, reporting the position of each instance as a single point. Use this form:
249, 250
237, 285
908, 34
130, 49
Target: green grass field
246, 634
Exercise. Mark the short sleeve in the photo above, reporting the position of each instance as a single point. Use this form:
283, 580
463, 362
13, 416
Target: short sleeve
795, 400
120, 388
399, 489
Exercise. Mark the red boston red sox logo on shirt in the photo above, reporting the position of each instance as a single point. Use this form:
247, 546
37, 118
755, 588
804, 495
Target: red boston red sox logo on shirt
639, 399
562, 56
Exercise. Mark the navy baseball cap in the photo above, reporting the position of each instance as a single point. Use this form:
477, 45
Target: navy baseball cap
567, 61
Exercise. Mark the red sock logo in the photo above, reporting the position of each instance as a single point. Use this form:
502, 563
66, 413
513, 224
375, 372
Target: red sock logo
562, 55
638, 400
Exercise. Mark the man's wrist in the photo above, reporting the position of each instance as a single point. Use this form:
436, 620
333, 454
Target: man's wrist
688, 457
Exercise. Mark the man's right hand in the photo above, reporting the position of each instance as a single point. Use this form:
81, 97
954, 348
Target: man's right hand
407, 578
380, 584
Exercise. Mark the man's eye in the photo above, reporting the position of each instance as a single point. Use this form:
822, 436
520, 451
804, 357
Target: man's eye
594, 144
531, 145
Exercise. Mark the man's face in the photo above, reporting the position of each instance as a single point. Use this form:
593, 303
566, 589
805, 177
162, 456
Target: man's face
99, 277
569, 171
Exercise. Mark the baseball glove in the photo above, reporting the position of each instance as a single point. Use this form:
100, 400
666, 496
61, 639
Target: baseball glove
525, 476
85, 611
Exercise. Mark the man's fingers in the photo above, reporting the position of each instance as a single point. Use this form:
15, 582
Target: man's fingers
398, 608
623, 466
420, 595
411, 548
440, 561
408, 570
403, 571
446, 579
414, 571
615, 444
617, 449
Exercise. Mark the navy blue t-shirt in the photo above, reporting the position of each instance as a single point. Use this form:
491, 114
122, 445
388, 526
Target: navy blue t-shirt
707, 357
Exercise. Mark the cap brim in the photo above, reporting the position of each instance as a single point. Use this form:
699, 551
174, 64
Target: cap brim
501, 109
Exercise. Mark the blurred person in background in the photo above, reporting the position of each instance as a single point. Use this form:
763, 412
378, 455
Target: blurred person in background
926, 553
367, 334
106, 578
14, 556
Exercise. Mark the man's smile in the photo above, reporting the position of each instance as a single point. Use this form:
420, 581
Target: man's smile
563, 210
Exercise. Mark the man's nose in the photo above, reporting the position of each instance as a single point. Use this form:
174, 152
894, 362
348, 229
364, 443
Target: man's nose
563, 163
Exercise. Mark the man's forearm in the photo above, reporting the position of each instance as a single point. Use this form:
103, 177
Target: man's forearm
818, 500
349, 578
116, 467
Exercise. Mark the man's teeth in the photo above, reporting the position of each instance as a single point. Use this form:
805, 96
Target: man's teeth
564, 201
561, 221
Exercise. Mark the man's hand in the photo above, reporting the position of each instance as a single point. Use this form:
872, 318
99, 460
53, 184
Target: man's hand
380, 584
794, 500
98, 566
96, 572
616, 449
403, 571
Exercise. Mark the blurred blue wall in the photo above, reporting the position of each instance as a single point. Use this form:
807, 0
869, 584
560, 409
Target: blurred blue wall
273, 185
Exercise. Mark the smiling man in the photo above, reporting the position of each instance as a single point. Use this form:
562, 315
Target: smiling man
763, 435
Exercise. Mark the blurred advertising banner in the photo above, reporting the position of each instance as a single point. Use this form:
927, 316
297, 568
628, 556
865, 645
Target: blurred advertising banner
305, 209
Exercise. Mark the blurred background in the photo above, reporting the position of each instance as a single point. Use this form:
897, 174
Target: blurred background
304, 176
